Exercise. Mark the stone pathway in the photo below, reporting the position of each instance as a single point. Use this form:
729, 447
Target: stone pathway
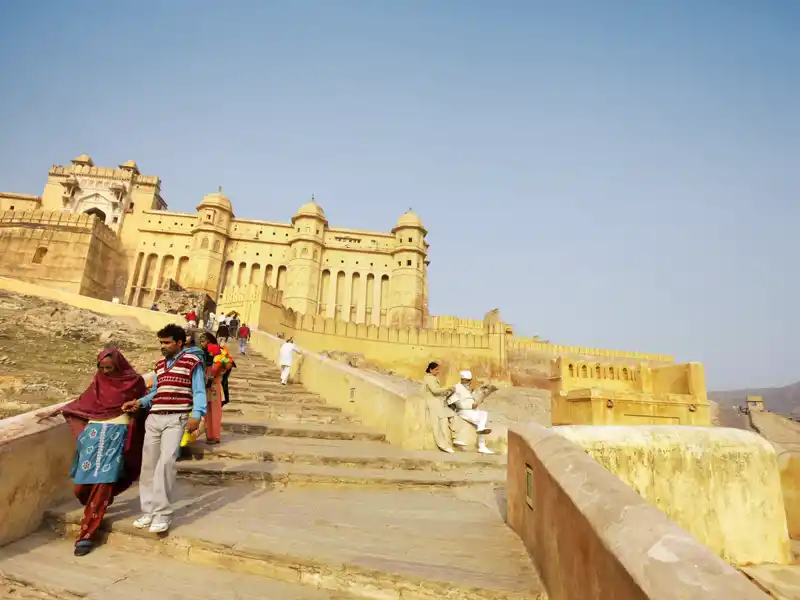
299, 501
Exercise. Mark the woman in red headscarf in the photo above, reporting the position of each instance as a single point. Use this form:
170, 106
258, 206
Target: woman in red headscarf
109, 454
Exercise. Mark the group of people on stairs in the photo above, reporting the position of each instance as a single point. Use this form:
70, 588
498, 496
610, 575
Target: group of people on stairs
125, 432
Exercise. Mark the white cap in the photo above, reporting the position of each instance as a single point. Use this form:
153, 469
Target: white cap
466, 375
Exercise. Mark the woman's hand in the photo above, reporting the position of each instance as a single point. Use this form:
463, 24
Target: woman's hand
131, 406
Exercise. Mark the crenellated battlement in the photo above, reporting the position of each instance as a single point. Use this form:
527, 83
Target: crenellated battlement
519, 343
104, 173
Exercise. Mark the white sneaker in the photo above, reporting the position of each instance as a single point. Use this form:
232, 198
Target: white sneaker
459, 443
448, 450
143, 522
485, 450
159, 527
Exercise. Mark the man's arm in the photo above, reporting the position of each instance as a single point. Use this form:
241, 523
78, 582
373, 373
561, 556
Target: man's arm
198, 391
146, 401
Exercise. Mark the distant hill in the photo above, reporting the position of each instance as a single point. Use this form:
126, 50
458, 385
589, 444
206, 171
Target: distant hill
782, 400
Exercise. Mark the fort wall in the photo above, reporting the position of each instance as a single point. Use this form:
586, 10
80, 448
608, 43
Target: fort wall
73, 252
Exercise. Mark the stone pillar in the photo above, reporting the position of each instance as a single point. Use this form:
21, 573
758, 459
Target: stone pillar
159, 266
330, 309
376, 301
348, 296
361, 303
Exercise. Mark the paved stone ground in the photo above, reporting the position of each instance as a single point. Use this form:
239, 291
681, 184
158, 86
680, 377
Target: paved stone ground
299, 501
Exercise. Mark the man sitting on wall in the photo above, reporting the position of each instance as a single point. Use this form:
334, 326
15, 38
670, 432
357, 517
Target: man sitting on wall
465, 402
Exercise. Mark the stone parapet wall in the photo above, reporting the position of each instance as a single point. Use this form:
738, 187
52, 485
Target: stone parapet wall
34, 462
594, 538
519, 343
710, 480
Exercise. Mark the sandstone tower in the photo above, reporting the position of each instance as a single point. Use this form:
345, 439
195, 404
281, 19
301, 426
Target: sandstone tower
306, 249
408, 288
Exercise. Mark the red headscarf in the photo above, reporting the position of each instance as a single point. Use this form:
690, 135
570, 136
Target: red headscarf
104, 397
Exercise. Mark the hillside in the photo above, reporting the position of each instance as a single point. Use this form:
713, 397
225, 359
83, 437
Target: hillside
782, 400
48, 350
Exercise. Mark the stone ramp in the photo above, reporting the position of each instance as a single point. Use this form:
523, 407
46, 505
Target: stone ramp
374, 544
42, 567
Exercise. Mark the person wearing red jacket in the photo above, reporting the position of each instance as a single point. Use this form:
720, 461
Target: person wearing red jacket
243, 336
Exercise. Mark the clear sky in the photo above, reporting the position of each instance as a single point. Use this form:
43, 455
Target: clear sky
620, 174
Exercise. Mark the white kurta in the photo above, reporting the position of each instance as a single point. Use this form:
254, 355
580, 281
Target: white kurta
286, 354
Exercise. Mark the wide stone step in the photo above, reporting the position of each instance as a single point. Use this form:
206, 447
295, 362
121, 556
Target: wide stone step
263, 385
42, 567
271, 475
258, 407
414, 545
369, 455
250, 412
255, 397
325, 432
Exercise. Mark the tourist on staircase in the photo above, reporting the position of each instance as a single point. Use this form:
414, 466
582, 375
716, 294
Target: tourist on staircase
217, 363
244, 337
222, 329
464, 402
441, 415
233, 325
177, 402
286, 358
211, 319
109, 454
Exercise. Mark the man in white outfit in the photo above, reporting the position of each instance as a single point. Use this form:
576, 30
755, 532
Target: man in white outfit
463, 401
285, 358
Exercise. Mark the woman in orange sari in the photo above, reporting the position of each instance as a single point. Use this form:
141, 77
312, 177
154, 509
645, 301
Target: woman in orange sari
109, 454
215, 369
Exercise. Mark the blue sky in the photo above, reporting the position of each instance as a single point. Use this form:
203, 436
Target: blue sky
620, 174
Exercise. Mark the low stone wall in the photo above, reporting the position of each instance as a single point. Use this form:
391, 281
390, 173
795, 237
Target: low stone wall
372, 398
594, 538
710, 480
34, 462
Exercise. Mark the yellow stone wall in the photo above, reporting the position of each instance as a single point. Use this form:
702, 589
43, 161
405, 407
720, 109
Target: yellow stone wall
598, 393
721, 485
73, 252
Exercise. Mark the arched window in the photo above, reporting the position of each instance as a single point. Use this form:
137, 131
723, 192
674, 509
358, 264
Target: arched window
204, 244
625, 374
39, 255
611, 372
584, 371
571, 370
597, 372
216, 245
97, 213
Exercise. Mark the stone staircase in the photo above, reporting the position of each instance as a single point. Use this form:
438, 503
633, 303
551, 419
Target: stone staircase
299, 501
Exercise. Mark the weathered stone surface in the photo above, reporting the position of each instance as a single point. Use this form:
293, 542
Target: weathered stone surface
594, 538
710, 480
41, 567
351, 539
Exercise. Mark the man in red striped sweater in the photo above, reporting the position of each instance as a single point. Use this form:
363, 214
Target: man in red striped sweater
177, 402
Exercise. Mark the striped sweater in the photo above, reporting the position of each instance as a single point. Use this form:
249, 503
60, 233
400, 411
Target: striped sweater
174, 384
